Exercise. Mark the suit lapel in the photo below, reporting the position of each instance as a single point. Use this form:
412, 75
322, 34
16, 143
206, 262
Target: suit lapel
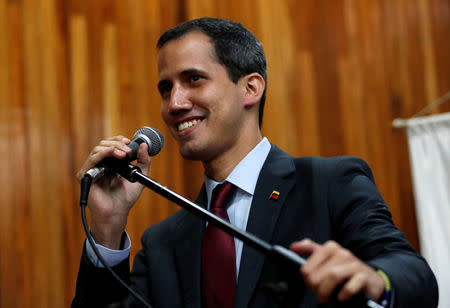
276, 175
188, 245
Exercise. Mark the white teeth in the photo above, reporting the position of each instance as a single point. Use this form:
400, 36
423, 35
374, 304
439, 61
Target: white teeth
187, 124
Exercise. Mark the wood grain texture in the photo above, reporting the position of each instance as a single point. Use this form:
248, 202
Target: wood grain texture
6, 219
73, 72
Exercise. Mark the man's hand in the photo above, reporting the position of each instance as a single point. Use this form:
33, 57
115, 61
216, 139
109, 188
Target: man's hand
330, 266
111, 198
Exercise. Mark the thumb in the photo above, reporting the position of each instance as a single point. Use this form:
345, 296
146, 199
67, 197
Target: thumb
143, 159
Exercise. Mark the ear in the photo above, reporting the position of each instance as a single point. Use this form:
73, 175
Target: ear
254, 86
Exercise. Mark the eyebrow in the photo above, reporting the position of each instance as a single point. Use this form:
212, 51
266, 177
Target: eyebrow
186, 72
191, 71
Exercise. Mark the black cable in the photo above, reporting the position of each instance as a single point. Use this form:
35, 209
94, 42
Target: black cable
85, 187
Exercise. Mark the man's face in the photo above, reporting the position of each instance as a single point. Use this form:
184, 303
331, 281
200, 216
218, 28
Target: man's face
200, 104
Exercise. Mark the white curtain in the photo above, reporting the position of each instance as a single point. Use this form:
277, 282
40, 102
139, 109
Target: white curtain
429, 150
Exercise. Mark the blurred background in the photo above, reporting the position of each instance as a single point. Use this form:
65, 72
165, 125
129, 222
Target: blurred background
75, 71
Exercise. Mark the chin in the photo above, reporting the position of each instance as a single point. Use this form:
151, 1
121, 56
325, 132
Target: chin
190, 153
196, 152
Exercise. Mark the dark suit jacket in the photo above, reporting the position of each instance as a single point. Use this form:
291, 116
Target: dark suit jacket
322, 199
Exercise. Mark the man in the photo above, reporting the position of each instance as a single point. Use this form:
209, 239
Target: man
212, 82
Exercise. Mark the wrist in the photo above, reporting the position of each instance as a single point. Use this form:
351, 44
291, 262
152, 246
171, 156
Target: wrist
109, 238
385, 298
110, 256
375, 285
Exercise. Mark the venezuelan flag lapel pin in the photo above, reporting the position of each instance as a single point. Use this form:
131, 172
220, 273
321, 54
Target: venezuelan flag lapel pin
274, 195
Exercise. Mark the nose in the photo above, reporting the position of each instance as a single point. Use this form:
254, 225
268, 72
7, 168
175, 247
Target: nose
179, 100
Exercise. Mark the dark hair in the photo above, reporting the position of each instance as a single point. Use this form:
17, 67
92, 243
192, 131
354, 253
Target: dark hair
236, 48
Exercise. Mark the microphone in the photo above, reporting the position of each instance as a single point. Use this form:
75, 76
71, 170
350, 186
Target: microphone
108, 166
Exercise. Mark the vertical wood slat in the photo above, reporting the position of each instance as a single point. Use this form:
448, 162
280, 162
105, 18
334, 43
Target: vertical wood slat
19, 163
7, 218
17, 145
279, 51
52, 121
36, 135
80, 129
72, 73
306, 111
79, 86
351, 85
93, 14
440, 25
401, 90
142, 88
111, 110
429, 62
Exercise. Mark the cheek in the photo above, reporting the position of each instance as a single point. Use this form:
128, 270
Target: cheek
163, 112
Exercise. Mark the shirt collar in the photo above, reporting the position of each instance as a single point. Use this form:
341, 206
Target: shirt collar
246, 173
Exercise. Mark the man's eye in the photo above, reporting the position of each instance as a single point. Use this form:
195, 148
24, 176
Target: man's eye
165, 89
195, 78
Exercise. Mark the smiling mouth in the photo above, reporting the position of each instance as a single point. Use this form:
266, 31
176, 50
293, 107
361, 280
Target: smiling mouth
187, 124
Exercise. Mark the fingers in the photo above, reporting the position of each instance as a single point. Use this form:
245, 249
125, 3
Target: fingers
323, 271
330, 266
111, 147
344, 278
304, 247
354, 286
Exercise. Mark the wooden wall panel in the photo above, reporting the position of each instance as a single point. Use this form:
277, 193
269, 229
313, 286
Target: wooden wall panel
73, 72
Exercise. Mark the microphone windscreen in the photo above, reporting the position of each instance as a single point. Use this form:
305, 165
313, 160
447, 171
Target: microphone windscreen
153, 138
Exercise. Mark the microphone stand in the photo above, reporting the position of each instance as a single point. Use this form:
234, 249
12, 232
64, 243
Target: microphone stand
275, 252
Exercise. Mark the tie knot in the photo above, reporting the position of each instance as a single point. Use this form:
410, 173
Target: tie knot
221, 195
